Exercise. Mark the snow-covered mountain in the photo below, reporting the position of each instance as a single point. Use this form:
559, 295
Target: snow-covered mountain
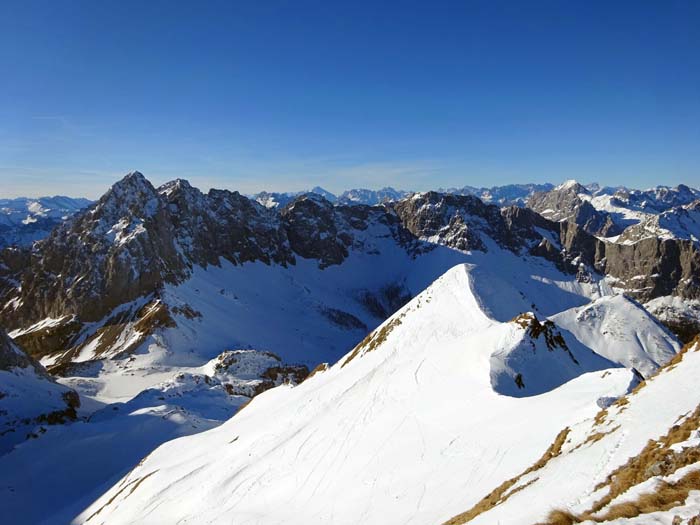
23, 221
348, 197
439, 404
608, 212
168, 309
681, 222
281, 199
186, 275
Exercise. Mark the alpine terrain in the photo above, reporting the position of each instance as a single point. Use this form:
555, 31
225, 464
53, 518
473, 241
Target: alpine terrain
524, 354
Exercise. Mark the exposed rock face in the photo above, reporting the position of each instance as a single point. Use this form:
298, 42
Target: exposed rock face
314, 232
101, 258
456, 221
223, 224
464, 222
565, 203
654, 267
11, 356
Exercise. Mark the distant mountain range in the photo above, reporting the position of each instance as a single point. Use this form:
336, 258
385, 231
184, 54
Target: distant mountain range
23, 221
604, 211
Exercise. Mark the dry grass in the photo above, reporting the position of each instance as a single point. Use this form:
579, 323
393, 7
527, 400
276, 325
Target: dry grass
560, 517
599, 418
656, 458
319, 369
597, 436
666, 496
501, 493
622, 402
373, 340
152, 316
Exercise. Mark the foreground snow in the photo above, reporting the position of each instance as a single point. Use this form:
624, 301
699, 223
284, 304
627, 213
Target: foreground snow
578, 477
405, 429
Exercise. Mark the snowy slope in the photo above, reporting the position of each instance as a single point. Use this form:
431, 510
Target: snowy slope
29, 397
406, 428
649, 438
621, 330
96, 451
307, 315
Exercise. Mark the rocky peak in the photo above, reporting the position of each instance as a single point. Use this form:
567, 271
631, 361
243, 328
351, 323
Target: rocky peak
126, 204
457, 221
307, 201
312, 228
572, 187
133, 189
565, 202
175, 186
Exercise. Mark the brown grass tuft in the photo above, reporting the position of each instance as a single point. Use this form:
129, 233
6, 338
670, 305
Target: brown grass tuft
600, 417
665, 497
560, 517
373, 340
322, 367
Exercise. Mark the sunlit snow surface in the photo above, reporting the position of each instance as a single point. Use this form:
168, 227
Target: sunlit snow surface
404, 423
411, 432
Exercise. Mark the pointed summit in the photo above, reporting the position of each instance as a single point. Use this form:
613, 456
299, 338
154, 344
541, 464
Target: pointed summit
318, 190
174, 186
571, 185
134, 174
133, 194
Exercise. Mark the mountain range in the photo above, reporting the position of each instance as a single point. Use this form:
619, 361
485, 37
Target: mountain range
410, 355
23, 221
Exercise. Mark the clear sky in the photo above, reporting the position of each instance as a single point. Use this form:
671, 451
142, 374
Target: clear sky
284, 95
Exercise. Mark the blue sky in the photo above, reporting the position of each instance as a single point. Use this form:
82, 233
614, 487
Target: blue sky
286, 95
